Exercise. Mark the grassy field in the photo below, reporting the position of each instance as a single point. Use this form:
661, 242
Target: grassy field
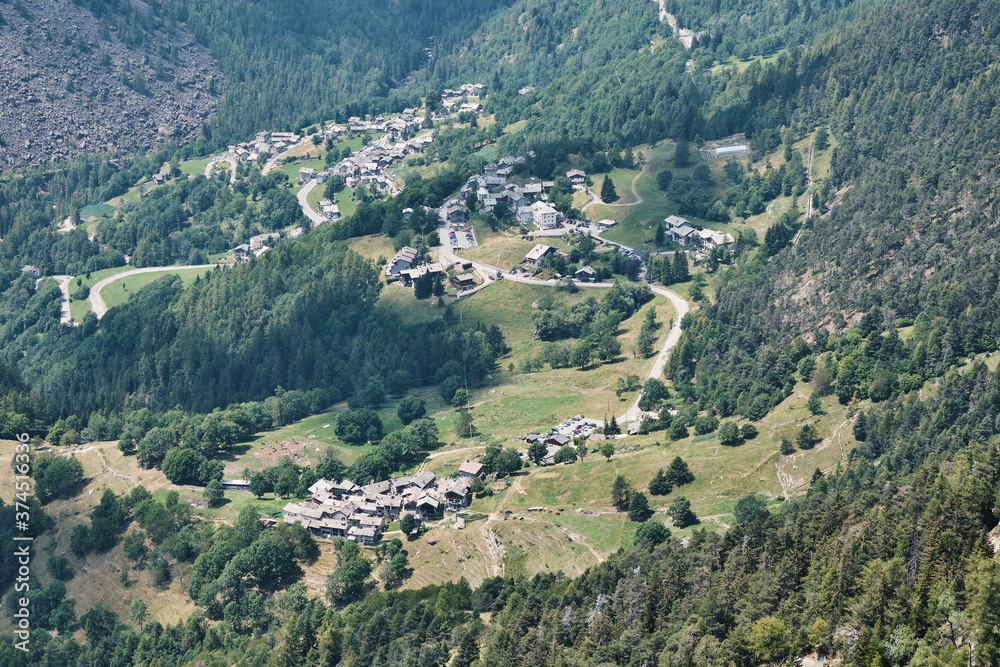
346, 202
743, 64
503, 248
723, 474
317, 194
96, 579
373, 246
195, 167
114, 295
821, 168
133, 194
291, 169
578, 526
500, 249
518, 402
305, 150
400, 299
637, 223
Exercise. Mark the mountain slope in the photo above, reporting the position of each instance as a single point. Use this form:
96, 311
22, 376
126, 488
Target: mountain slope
76, 82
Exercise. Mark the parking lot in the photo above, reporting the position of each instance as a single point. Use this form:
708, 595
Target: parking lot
578, 425
457, 237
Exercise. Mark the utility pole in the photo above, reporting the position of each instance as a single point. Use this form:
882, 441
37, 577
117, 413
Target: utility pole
465, 376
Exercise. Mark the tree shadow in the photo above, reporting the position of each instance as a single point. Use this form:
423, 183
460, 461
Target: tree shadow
232, 453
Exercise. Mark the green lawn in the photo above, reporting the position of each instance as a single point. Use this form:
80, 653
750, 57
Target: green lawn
517, 402
118, 292
637, 223
346, 202
196, 166
291, 169
315, 195
501, 249
132, 195
743, 64
400, 300
373, 246
722, 474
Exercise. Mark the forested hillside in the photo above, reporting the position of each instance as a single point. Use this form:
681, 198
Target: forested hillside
910, 234
885, 298
290, 66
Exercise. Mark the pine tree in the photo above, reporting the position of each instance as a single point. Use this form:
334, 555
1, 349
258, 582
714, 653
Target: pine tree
666, 273
806, 438
861, 427
645, 342
468, 650
608, 193
681, 272
611, 426
680, 512
678, 473
465, 427
660, 234
638, 508
660, 485
423, 286
682, 155
621, 493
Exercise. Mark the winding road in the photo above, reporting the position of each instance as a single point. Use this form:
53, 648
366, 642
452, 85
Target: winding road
446, 256
97, 303
307, 210
594, 199
232, 167
64, 281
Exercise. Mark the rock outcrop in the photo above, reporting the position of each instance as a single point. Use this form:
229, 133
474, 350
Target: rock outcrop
71, 82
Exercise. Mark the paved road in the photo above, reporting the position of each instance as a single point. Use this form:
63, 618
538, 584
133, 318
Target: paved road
64, 282
594, 199
273, 162
97, 303
669, 342
316, 218
232, 167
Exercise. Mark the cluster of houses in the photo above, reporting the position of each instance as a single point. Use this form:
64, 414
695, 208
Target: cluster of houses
528, 201
563, 434
257, 246
360, 513
451, 98
537, 256
264, 144
681, 231
406, 265
367, 166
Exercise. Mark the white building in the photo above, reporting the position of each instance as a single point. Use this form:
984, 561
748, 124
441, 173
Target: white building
536, 257
544, 215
